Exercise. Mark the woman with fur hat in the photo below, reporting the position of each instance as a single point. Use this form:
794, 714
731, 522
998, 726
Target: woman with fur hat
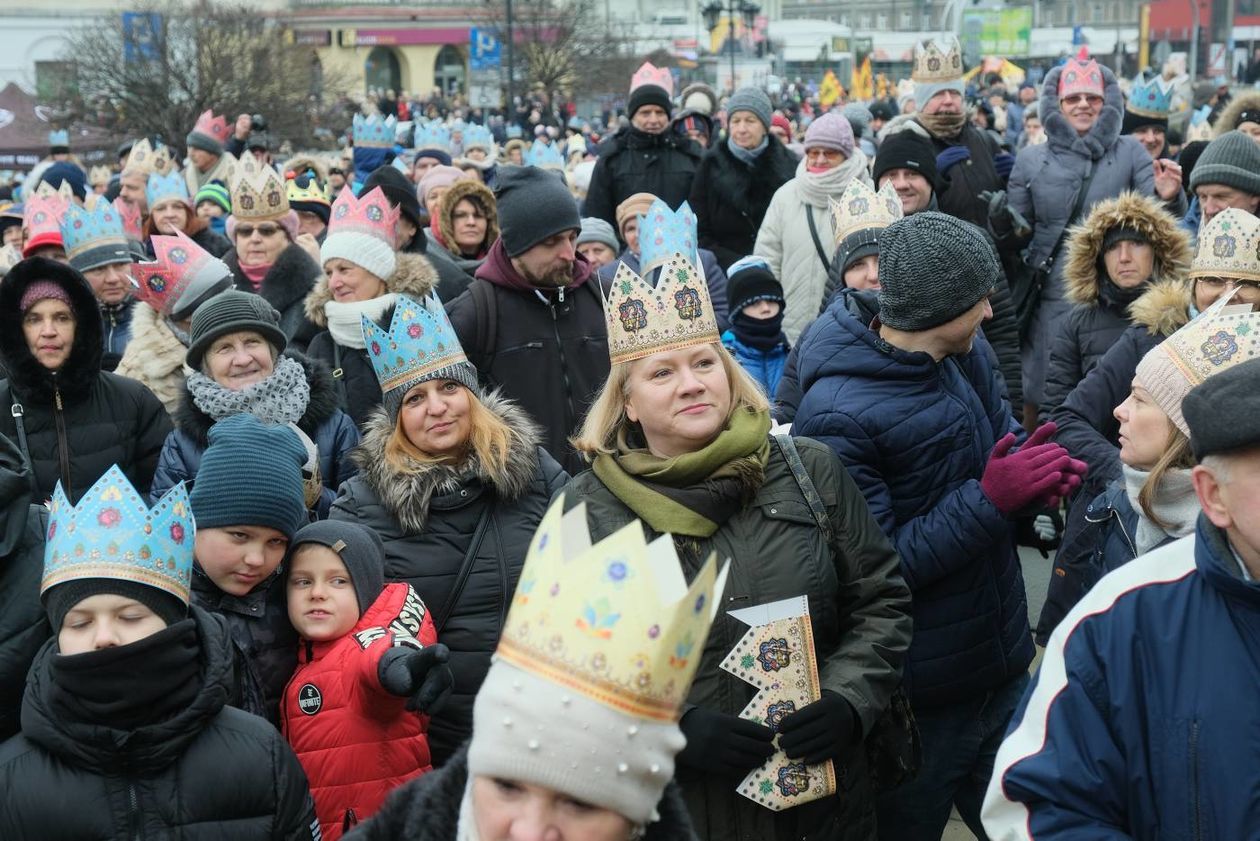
455, 482
466, 224
1243, 114
171, 211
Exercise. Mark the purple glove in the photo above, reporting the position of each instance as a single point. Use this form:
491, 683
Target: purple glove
1032, 474
951, 156
1004, 162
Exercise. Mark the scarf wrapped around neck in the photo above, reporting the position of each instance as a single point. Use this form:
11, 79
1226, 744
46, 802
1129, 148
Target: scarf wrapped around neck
280, 398
344, 318
816, 187
748, 156
691, 494
1175, 503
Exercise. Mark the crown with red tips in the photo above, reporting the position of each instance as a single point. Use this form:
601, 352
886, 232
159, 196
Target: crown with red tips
650, 74
370, 214
178, 262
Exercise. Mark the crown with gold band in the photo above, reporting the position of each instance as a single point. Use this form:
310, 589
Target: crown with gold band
643, 320
131, 218
937, 60
1151, 99
650, 74
614, 621
1199, 127
162, 186
147, 160
258, 193
544, 156
862, 209
113, 533
1228, 247
370, 214
1081, 75
98, 176
177, 263
313, 192
420, 345
664, 233
373, 131
94, 236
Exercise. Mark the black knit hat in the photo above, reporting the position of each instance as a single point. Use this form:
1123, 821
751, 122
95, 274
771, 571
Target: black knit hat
1132, 122
1223, 413
649, 95
398, 189
359, 548
61, 599
750, 280
232, 312
906, 150
933, 267
533, 204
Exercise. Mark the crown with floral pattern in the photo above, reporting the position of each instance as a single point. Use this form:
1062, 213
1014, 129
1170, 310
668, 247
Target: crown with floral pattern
166, 185
664, 233
650, 74
59, 139
42, 215
420, 345
614, 621
213, 127
433, 135
544, 155
937, 60
1228, 247
258, 193
145, 159
113, 533
373, 131
94, 237
178, 262
643, 320
1151, 99
476, 136
1081, 75
99, 175
862, 209
370, 214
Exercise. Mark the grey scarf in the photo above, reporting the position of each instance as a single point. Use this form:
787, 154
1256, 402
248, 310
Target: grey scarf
748, 156
280, 398
1175, 503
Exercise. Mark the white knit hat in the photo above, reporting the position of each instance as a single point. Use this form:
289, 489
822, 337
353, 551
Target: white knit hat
362, 232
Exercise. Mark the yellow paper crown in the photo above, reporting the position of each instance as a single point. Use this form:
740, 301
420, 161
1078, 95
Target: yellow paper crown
99, 175
615, 620
258, 192
862, 209
676, 314
144, 158
937, 62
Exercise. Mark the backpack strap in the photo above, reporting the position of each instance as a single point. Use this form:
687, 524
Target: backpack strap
793, 457
18, 414
487, 311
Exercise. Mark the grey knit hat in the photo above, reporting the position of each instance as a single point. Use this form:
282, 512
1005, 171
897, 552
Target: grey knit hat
1233, 159
597, 230
232, 312
933, 267
533, 204
752, 100
359, 548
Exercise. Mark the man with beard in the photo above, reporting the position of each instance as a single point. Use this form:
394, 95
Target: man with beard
530, 321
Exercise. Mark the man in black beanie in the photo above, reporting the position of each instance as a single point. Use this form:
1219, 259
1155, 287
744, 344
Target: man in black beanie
530, 321
906, 159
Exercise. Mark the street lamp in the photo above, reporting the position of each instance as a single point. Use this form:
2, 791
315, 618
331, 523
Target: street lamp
712, 12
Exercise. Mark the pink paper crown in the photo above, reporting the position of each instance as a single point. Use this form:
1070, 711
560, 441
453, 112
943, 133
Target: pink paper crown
371, 214
649, 74
212, 126
177, 261
43, 215
130, 214
1081, 75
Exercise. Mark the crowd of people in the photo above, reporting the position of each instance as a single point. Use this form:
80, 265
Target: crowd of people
404, 493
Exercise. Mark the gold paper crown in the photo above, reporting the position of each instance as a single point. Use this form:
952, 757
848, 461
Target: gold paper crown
98, 175
676, 314
258, 192
144, 158
1228, 246
313, 192
934, 62
614, 621
862, 209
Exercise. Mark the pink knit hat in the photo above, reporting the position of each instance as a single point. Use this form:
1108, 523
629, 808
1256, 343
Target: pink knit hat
42, 290
438, 176
830, 131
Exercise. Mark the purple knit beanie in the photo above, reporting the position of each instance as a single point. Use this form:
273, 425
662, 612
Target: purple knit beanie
830, 131
42, 290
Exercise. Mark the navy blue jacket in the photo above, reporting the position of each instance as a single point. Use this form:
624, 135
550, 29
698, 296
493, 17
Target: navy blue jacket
916, 435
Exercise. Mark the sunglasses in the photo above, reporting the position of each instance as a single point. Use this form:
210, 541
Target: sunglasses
1086, 98
266, 229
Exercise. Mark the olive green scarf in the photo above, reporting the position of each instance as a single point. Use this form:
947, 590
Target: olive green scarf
694, 493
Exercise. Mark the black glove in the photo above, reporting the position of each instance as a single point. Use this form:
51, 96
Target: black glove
819, 731
723, 744
421, 676
1042, 530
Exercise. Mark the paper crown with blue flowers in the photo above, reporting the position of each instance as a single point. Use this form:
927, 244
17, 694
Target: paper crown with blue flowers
94, 237
1151, 99
664, 233
374, 131
643, 320
113, 533
544, 156
420, 345
433, 135
59, 139
478, 137
166, 185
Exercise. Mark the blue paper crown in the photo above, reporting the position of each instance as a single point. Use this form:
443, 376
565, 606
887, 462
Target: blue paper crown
1199, 117
420, 342
1151, 99
61, 137
83, 229
161, 187
113, 533
664, 233
374, 131
476, 135
433, 135
544, 155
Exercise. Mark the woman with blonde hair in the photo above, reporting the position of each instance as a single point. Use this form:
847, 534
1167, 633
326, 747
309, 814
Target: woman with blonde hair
455, 482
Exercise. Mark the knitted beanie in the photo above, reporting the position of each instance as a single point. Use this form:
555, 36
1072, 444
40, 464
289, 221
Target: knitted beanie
533, 204
398, 189
61, 599
933, 267
359, 548
649, 95
906, 150
830, 131
752, 100
64, 172
216, 192
250, 475
749, 280
1233, 159
597, 230
438, 176
632, 208
924, 91
232, 312
442, 156
859, 117
42, 290
364, 250
1223, 412
782, 122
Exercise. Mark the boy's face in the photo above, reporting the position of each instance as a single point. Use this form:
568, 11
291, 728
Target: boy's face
322, 602
762, 309
239, 558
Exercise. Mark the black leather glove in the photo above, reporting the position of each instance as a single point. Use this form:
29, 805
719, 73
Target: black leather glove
421, 676
723, 744
822, 730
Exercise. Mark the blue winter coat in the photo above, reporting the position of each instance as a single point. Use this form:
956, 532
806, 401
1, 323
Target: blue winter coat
713, 275
116, 319
916, 435
765, 366
1142, 721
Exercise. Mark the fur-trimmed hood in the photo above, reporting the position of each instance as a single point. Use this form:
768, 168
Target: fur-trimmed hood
301, 163
1164, 308
414, 276
1101, 136
1083, 269
407, 494
288, 280
477, 193
1228, 120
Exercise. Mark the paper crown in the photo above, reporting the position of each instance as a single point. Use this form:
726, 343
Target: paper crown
937, 60
544, 155
1228, 247
862, 209
313, 192
664, 233
113, 533
370, 214
131, 219
162, 186
178, 261
83, 230
99, 175
433, 135
1200, 128
420, 342
1081, 75
42, 216
258, 193
144, 158
213, 127
373, 131
643, 320
59, 139
649, 74
614, 621
1151, 99
478, 137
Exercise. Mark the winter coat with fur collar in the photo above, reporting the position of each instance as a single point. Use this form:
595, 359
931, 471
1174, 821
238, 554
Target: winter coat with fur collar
285, 287
427, 516
155, 357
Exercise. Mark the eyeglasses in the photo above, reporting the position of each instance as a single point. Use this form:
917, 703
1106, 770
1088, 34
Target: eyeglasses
1086, 98
265, 230
1251, 287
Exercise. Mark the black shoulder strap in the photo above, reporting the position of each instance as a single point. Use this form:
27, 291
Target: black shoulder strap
813, 232
788, 447
487, 312
1081, 198
339, 376
465, 568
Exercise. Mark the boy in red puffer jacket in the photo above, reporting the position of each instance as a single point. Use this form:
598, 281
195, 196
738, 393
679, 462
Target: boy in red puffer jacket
369, 670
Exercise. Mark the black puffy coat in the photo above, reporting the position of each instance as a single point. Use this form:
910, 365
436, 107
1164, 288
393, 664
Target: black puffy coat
632, 162
427, 517
285, 286
80, 420
208, 772
730, 197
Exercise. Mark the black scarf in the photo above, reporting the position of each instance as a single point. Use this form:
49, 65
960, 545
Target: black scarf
1115, 297
761, 333
127, 686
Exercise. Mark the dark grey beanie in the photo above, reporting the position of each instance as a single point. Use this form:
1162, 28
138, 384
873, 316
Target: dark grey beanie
232, 311
752, 100
932, 268
359, 548
533, 204
1233, 159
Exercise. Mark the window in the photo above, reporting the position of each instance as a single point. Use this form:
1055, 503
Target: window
926, 23
906, 21
881, 21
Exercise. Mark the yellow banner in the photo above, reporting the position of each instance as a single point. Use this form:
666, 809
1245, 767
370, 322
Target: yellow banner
830, 90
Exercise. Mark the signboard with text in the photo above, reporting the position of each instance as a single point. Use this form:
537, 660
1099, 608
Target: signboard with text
997, 32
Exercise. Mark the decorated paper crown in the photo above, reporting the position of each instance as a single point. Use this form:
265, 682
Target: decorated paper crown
862, 209
313, 192
113, 533
643, 320
1081, 75
544, 155
258, 193
99, 175
370, 214
373, 131
130, 215
433, 135
177, 263
614, 621
478, 137
937, 60
98, 229
42, 216
1228, 247
163, 186
664, 233
420, 342
144, 158
59, 139
1151, 99
649, 74
1200, 128
213, 127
